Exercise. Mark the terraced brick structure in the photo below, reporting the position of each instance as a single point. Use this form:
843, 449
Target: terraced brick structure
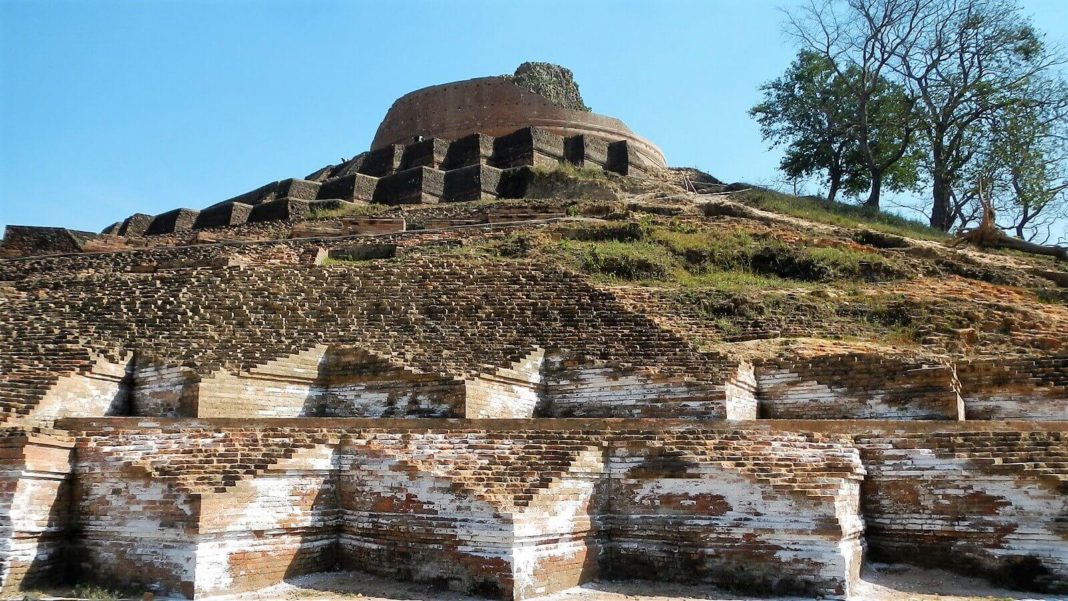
513, 361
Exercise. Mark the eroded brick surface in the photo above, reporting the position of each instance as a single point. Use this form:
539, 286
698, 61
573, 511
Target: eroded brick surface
520, 512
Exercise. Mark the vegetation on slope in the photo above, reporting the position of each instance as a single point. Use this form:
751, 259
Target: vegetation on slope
683, 253
837, 213
736, 277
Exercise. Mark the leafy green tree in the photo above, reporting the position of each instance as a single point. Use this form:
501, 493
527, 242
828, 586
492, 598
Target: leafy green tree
813, 112
801, 111
961, 65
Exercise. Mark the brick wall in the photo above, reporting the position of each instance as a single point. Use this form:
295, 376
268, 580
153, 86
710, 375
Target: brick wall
1015, 388
161, 390
587, 391
495, 106
24, 241
678, 512
101, 388
469, 319
223, 505
404, 173
35, 508
990, 503
280, 524
857, 386
500, 510
512, 392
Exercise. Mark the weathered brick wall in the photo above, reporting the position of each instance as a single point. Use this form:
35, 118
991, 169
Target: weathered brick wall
212, 506
182, 251
135, 532
176, 220
99, 389
586, 391
412, 524
740, 391
135, 527
679, 512
280, 524
24, 241
349, 226
512, 392
422, 172
856, 386
285, 387
466, 316
1033, 388
992, 503
324, 380
519, 512
496, 106
357, 383
35, 508
160, 390
557, 543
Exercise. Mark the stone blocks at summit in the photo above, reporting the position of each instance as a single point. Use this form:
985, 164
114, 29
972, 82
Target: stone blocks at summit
417, 185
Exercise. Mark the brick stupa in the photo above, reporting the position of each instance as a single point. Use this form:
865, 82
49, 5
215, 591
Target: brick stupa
369, 369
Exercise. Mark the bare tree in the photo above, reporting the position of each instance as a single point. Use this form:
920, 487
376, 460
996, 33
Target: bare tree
1021, 161
971, 60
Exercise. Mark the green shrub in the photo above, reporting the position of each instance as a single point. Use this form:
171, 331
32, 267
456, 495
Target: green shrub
93, 592
736, 281
517, 244
569, 170
629, 261
847, 263
707, 251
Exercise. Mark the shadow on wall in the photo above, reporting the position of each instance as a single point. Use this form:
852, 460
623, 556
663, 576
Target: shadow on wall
35, 514
101, 390
317, 549
52, 555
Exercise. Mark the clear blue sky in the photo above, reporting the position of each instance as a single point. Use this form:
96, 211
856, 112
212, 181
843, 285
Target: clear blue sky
111, 107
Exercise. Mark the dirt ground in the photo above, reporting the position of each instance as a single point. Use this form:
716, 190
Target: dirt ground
879, 583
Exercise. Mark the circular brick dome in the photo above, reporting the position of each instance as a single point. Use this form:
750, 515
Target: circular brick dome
495, 106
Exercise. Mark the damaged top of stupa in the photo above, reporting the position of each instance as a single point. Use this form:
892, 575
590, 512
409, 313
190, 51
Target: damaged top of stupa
537, 94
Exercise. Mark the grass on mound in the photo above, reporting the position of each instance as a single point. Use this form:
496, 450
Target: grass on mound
92, 592
624, 260
353, 210
682, 255
569, 170
836, 213
638, 251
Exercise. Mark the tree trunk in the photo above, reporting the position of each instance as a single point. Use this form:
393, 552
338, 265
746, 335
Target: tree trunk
876, 190
940, 195
835, 183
